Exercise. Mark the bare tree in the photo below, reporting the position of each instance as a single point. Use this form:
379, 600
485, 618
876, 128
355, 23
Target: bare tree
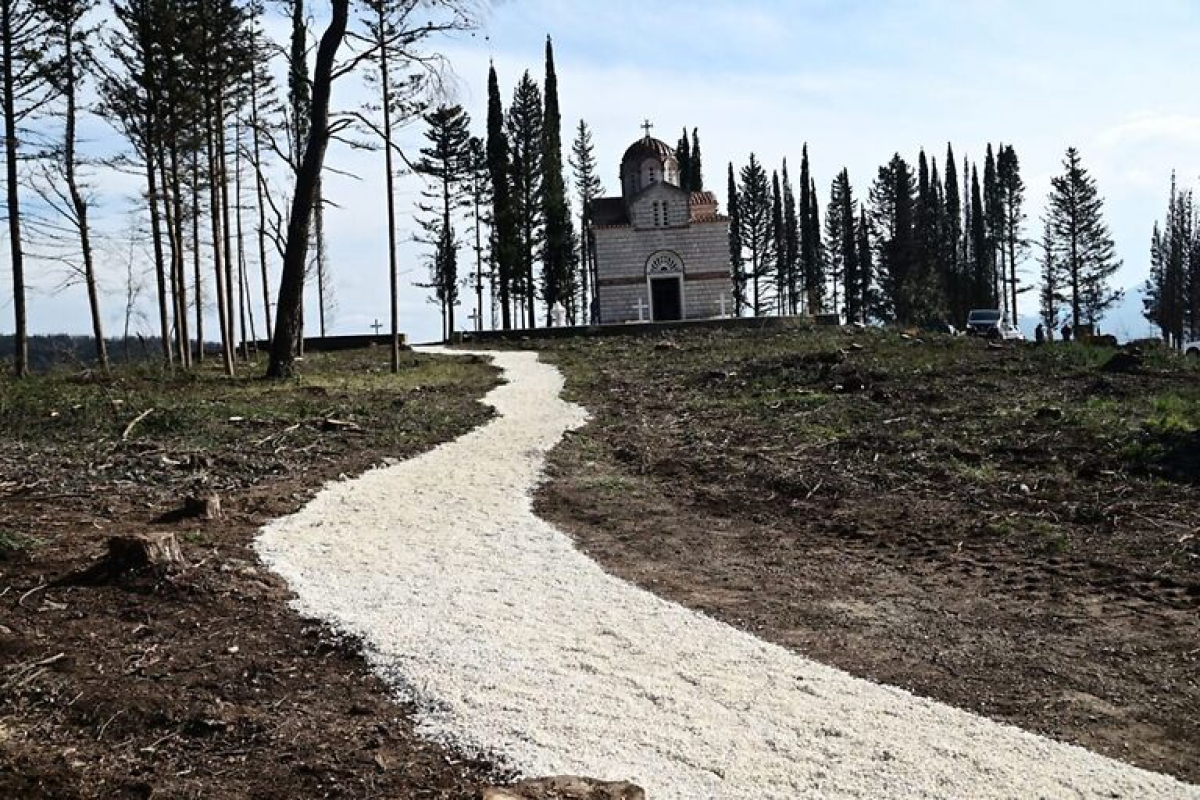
67, 57
24, 92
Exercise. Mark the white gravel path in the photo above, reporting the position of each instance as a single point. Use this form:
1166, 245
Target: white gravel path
513, 642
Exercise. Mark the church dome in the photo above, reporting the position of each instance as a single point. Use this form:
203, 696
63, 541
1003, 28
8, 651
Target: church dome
646, 162
648, 147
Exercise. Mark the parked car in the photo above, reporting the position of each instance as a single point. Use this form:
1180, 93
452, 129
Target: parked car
985, 322
1192, 349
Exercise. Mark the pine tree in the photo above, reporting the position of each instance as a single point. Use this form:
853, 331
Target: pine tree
1081, 242
683, 155
525, 124
1049, 296
446, 166
66, 60
755, 219
558, 254
506, 240
737, 264
588, 187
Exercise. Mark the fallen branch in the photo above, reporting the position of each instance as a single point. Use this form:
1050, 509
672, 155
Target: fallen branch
129, 428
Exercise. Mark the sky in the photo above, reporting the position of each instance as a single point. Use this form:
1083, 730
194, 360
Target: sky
855, 80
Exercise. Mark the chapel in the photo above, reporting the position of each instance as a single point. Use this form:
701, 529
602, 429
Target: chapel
661, 253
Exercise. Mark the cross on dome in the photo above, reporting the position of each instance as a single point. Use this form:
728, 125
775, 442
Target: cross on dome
646, 126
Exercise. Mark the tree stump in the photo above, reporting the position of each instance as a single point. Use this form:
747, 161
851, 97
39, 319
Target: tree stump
155, 551
207, 507
565, 787
136, 554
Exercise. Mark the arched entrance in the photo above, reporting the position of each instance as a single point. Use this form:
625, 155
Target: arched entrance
664, 279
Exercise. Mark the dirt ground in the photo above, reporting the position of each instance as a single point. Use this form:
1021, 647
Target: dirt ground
1011, 530
202, 683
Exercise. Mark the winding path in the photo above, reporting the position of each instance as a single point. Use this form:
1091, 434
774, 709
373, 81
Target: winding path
513, 642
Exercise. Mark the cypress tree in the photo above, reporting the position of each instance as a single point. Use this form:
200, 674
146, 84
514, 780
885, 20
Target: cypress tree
810, 253
779, 245
558, 253
1012, 194
683, 154
851, 258
1081, 242
696, 181
736, 262
835, 250
504, 250
892, 212
525, 125
952, 239
813, 232
981, 284
865, 274
791, 241
993, 215
924, 289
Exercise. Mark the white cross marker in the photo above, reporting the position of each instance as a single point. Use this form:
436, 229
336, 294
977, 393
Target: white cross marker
722, 306
642, 308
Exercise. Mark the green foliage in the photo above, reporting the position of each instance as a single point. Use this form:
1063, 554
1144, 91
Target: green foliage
1085, 255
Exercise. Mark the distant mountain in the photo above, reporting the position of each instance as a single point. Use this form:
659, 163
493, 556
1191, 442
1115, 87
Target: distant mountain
1125, 320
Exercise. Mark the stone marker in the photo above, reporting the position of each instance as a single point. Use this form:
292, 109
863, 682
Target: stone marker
565, 787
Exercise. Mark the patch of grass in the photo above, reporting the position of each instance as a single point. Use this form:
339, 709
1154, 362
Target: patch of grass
11, 542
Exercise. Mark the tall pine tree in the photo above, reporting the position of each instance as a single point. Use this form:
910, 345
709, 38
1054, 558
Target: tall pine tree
1082, 245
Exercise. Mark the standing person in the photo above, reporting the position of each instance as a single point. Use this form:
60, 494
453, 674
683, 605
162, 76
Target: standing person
1066, 332
1039, 334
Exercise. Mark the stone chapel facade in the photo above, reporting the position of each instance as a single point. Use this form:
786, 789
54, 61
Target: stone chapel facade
661, 253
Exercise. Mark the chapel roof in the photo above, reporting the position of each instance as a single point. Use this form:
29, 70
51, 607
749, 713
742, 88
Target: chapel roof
648, 147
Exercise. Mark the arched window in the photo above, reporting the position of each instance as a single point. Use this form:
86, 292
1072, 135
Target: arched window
664, 262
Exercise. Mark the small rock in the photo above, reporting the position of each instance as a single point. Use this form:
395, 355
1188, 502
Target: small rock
666, 344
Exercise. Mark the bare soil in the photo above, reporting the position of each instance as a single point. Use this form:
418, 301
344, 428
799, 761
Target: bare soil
202, 682
1012, 530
